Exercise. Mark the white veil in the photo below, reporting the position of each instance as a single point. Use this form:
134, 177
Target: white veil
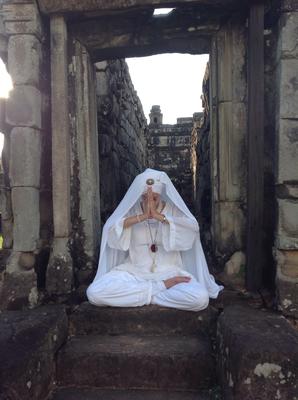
193, 260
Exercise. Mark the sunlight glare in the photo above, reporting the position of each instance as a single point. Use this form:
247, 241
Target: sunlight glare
5, 81
162, 11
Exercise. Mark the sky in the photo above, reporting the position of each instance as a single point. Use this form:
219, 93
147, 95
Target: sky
173, 81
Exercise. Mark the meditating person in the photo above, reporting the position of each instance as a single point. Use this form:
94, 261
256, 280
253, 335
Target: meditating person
151, 251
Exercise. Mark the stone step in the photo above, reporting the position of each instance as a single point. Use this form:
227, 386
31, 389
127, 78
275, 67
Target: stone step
148, 320
137, 362
104, 394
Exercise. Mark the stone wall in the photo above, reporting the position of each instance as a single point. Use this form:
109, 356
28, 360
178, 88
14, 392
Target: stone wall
122, 129
169, 150
286, 236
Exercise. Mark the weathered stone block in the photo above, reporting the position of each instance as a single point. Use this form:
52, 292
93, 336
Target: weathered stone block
288, 88
24, 56
229, 227
22, 19
287, 150
28, 343
258, 355
288, 35
231, 156
25, 205
59, 280
24, 107
287, 291
287, 230
25, 148
19, 287
287, 281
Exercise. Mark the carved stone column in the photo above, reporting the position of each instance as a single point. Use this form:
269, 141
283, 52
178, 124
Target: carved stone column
60, 273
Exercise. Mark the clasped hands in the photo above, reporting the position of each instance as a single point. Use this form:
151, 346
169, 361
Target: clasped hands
150, 205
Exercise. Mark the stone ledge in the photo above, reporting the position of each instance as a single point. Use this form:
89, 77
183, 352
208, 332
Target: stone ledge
28, 342
258, 355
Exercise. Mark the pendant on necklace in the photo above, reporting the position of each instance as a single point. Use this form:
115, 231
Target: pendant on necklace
153, 248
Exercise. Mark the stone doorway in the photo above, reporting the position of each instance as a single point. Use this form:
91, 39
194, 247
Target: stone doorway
77, 35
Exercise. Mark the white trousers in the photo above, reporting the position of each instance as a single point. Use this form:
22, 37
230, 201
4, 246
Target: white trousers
122, 289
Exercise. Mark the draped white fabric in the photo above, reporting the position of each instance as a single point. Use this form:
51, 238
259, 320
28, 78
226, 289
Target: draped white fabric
180, 239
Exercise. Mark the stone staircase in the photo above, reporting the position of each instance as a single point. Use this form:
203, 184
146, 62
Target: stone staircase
137, 353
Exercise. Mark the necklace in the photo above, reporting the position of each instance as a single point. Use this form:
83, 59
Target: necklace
153, 246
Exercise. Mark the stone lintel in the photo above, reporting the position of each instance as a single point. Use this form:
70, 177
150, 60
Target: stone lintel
135, 36
75, 7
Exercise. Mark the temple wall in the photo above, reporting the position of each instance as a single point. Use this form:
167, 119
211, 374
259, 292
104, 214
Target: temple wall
169, 150
286, 178
122, 129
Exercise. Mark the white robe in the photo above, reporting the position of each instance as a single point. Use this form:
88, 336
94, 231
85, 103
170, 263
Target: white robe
133, 283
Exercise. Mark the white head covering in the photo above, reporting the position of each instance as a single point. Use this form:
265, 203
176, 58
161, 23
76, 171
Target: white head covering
193, 260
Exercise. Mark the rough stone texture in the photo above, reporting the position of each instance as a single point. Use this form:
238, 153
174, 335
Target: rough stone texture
234, 272
85, 201
17, 286
25, 206
24, 57
54, 6
286, 234
59, 275
184, 363
122, 128
228, 128
25, 153
101, 394
287, 150
287, 230
28, 343
24, 107
258, 355
22, 17
169, 150
149, 320
60, 128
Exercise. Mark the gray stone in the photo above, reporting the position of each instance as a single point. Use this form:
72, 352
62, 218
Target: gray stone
258, 355
59, 279
232, 139
229, 227
29, 341
88, 319
25, 205
25, 148
85, 179
24, 107
288, 96
287, 281
287, 150
289, 35
140, 362
24, 57
287, 231
60, 128
18, 287
22, 18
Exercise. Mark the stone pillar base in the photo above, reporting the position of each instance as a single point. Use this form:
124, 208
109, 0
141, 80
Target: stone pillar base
18, 284
59, 280
287, 281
